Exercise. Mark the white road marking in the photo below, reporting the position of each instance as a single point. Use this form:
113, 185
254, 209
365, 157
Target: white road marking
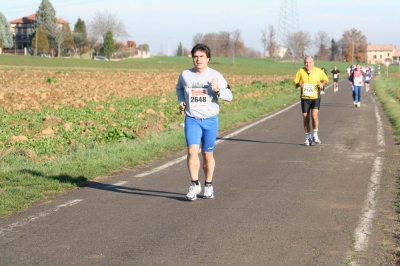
11, 227
180, 159
363, 230
381, 136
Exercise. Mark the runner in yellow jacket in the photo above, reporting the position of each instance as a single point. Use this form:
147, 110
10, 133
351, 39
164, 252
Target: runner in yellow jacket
310, 80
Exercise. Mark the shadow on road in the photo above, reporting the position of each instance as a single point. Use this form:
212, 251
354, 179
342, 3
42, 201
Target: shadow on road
136, 191
259, 141
82, 181
349, 105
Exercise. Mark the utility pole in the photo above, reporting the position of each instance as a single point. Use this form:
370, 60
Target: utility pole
36, 37
352, 52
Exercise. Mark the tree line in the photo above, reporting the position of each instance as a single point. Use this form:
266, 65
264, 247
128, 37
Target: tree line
352, 45
100, 35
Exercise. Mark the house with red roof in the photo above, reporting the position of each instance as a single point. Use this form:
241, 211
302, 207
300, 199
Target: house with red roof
22, 28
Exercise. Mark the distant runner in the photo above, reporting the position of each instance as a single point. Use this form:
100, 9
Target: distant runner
335, 74
357, 80
348, 70
310, 80
368, 77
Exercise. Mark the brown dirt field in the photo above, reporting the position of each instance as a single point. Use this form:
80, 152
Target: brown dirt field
31, 90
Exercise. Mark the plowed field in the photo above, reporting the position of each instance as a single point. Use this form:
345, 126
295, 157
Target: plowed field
31, 90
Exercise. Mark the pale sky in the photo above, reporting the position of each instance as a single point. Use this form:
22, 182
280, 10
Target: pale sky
163, 24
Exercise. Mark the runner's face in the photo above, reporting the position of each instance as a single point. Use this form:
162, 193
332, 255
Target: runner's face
309, 63
200, 60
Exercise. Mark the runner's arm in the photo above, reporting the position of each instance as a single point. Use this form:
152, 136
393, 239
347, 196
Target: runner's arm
298, 83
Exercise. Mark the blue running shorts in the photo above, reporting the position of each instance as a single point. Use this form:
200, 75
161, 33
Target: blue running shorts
201, 130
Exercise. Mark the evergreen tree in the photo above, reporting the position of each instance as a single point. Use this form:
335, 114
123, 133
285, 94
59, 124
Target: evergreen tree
46, 17
42, 41
6, 38
108, 45
80, 33
68, 38
180, 50
334, 49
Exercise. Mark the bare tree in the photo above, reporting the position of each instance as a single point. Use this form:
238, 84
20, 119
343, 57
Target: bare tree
225, 43
321, 41
237, 43
92, 43
272, 45
59, 39
211, 40
354, 45
264, 41
297, 44
198, 38
103, 22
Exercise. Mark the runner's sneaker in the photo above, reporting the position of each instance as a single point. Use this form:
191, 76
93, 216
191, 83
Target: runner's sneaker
316, 140
367, 89
193, 191
308, 142
355, 104
336, 89
358, 104
208, 191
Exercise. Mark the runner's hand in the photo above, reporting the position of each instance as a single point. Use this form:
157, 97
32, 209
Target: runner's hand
182, 106
214, 85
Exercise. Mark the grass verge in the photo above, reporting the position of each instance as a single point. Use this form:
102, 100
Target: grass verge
387, 90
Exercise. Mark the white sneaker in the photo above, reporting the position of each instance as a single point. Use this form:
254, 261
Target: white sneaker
308, 142
367, 89
193, 191
336, 89
358, 104
355, 104
208, 191
316, 140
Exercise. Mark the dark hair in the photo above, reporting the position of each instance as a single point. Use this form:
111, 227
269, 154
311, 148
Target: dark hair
201, 47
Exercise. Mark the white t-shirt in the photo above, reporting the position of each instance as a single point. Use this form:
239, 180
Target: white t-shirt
195, 90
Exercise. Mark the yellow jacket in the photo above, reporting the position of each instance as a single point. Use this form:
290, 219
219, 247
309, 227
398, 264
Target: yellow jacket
313, 78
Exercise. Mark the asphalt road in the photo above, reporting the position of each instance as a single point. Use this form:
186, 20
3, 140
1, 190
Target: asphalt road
276, 202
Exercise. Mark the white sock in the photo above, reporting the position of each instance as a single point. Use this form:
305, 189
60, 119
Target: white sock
315, 133
308, 135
